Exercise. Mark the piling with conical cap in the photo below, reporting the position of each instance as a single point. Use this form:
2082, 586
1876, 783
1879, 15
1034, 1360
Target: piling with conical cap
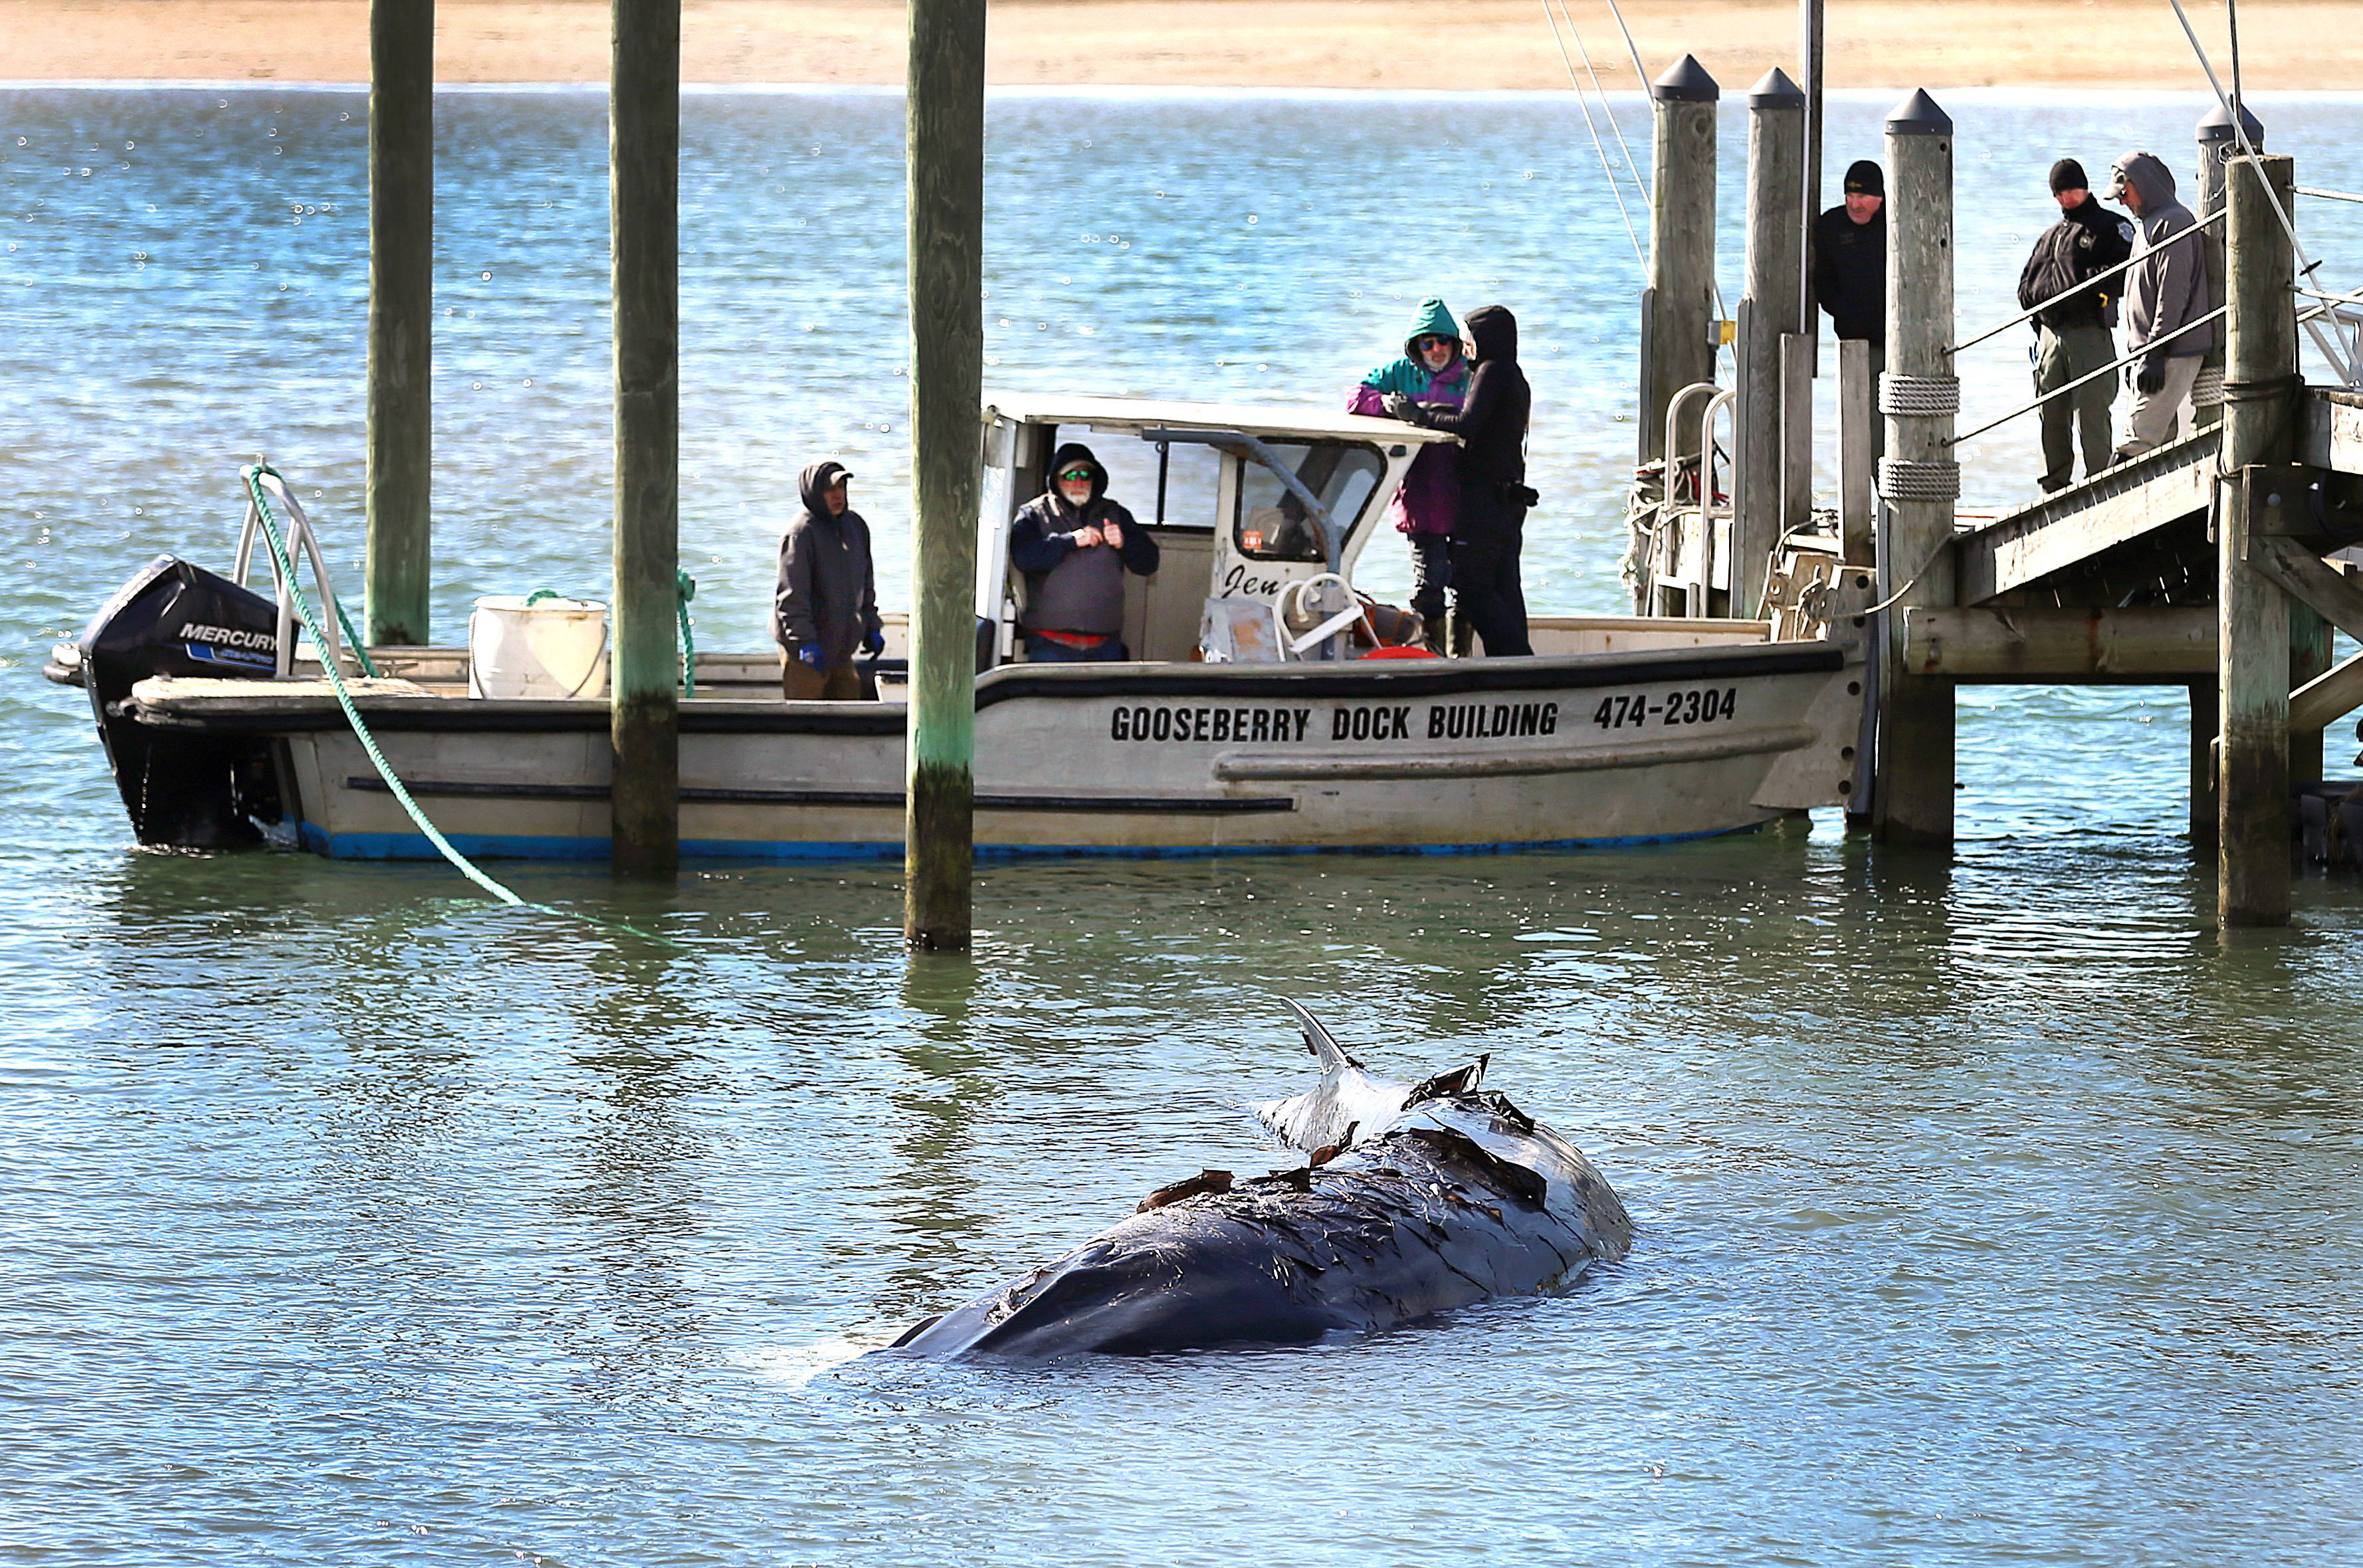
1919, 478
1769, 307
1678, 311
2217, 144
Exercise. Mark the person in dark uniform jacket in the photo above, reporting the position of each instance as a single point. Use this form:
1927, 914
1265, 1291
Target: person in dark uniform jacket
2075, 338
1851, 272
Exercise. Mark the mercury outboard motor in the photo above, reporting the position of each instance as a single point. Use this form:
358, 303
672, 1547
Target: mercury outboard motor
187, 790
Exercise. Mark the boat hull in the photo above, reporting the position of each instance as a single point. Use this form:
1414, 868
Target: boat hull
1113, 759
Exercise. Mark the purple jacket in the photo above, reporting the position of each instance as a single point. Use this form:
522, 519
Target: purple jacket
1429, 501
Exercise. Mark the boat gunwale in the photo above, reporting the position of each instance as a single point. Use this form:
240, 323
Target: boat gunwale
266, 713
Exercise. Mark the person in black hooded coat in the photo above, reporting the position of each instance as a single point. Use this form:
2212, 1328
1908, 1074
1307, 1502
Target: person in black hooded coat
826, 604
1490, 526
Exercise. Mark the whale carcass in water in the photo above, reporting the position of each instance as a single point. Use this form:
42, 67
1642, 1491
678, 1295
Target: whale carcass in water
1417, 1199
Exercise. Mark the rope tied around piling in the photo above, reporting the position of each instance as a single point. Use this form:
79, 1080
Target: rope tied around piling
2262, 389
1919, 396
1901, 480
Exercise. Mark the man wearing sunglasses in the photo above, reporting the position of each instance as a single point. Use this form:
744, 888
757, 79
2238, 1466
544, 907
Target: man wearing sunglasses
1075, 545
1432, 371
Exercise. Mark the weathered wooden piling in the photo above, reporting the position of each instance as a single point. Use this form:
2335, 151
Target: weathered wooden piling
2262, 389
397, 482
2218, 142
1769, 310
643, 155
946, 185
1678, 312
1913, 798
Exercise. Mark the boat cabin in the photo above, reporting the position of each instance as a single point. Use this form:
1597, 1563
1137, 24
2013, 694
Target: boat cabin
1244, 503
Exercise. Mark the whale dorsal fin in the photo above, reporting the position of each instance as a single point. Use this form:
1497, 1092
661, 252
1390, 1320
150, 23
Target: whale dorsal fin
1319, 1040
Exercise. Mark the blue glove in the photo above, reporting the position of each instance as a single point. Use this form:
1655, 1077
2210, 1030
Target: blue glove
811, 656
874, 644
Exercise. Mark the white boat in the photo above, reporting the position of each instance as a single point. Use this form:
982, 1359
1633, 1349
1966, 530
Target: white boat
1237, 727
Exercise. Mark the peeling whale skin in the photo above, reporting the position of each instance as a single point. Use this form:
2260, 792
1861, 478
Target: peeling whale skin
1438, 1196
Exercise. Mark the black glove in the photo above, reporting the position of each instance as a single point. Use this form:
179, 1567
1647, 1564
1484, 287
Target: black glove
2150, 375
874, 644
1398, 406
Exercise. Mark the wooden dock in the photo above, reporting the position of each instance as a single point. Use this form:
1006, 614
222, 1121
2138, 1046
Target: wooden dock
2219, 562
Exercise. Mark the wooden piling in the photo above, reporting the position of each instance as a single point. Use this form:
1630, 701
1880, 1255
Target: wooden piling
643, 155
2259, 426
946, 185
1913, 798
1678, 348
400, 443
1768, 311
1857, 454
2218, 142
1811, 34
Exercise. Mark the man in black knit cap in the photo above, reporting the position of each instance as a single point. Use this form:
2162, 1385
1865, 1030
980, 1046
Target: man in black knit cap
1851, 272
1850, 260
2074, 337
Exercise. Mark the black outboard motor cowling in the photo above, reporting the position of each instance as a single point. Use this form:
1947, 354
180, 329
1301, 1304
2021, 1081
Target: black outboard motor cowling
190, 791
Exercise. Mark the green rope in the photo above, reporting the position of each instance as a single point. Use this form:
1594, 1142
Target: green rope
253, 475
684, 589
352, 638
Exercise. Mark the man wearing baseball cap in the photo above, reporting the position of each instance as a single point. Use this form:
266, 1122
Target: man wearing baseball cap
2073, 332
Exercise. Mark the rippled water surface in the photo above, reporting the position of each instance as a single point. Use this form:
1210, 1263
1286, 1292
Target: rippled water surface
1992, 1207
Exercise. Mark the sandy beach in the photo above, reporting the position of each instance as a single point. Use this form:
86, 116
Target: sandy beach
1393, 44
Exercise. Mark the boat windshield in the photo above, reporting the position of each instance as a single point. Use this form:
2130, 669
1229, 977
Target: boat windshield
1270, 521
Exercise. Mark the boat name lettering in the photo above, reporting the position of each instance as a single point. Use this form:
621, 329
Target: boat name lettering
1369, 723
1238, 584
1209, 724
1633, 709
229, 636
1482, 721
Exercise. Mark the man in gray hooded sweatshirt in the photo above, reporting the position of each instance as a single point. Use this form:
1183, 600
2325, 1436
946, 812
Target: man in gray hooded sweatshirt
2165, 289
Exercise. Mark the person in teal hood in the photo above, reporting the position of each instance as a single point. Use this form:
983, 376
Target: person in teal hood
1433, 369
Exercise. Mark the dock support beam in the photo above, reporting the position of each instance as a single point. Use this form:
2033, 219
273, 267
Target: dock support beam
1768, 314
644, 225
1913, 800
401, 442
1679, 309
947, 282
2252, 885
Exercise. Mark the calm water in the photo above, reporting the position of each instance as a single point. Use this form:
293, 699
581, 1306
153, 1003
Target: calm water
1991, 1209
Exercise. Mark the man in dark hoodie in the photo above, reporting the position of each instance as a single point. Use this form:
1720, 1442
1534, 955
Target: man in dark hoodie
2165, 290
827, 602
1075, 545
1489, 526
2073, 337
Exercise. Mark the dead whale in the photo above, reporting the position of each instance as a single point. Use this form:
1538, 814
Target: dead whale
1416, 1198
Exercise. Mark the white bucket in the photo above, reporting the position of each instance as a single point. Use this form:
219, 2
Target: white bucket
548, 647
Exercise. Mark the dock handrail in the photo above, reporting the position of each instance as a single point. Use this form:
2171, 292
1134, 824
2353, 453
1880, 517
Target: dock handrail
2141, 353
2175, 239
